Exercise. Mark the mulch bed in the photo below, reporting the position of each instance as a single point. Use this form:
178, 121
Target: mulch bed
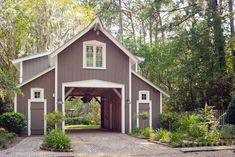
56, 150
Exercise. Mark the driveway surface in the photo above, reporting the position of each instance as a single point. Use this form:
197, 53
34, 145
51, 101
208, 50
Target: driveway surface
102, 143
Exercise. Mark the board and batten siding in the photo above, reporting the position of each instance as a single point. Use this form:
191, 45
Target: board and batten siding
70, 66
45, 81
138, 85
34, 66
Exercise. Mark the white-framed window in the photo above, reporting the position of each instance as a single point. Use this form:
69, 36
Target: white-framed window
144, 96
37, 94
94, 55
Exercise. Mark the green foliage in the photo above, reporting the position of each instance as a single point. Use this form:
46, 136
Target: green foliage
148, 132
13, 122
186, 122
213, 135
230, 115
56, 139
143, 116
169, 120
198, 130
77, 115
136, 131
161, 135
227, 131
175, 138
6, 138
55, 118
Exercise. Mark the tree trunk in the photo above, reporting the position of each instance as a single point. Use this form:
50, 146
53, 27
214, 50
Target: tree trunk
150, 30
219, 40
120, 22
231, 18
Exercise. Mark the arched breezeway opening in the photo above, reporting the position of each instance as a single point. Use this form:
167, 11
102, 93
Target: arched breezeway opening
109, 95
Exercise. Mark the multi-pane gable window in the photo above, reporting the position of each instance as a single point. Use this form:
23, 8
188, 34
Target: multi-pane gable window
144, 96
37, 94
94, 55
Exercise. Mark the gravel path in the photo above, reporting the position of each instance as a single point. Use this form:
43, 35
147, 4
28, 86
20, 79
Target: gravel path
100, 143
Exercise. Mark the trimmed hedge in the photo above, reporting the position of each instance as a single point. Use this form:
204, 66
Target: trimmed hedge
13, 122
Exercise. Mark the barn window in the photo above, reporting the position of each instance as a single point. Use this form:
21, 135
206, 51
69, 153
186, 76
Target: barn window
37, 94
94, 55
143, 96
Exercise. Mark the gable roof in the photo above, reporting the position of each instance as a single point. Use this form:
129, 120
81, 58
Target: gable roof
30, 57
94, 24
36, 76
151, 84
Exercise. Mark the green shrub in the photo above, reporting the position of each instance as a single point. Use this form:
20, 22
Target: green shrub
161, 135
6, 138
86, 119
56, 139
54, 118
13, 122
227, 131
169, 120
230, 114
186, 122
72, 120
136, 131
233, 142
204, 144
197, 130
148, 132
213, 135
175, 138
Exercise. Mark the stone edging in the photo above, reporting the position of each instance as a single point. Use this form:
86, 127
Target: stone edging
207, 148
56, 150
161, 143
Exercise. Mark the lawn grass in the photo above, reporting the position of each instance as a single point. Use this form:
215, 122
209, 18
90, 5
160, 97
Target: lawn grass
82, 126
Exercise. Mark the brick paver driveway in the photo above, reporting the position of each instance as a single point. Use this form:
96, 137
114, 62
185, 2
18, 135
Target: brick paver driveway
101, 143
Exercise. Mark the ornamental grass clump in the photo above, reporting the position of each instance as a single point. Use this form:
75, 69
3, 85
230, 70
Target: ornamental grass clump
56, 139
161, 135
147, 132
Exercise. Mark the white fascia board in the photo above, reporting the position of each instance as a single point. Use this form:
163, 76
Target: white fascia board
93, 84
30, 57
91, 25
151, 84
36, 76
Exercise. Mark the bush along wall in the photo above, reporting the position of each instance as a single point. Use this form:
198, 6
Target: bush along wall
14, 122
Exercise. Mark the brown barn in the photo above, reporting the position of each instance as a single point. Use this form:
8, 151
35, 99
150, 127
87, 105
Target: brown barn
94, 63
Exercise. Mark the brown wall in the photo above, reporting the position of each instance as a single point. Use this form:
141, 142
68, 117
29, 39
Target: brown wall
137, 85
70, 65
46, 81
34, 66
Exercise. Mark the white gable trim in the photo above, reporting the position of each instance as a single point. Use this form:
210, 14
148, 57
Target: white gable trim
151, 84
36, 76
30, 57
93, 83
91, 25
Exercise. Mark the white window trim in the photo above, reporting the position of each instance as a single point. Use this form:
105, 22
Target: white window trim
41, 90
147, 96
94, 43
